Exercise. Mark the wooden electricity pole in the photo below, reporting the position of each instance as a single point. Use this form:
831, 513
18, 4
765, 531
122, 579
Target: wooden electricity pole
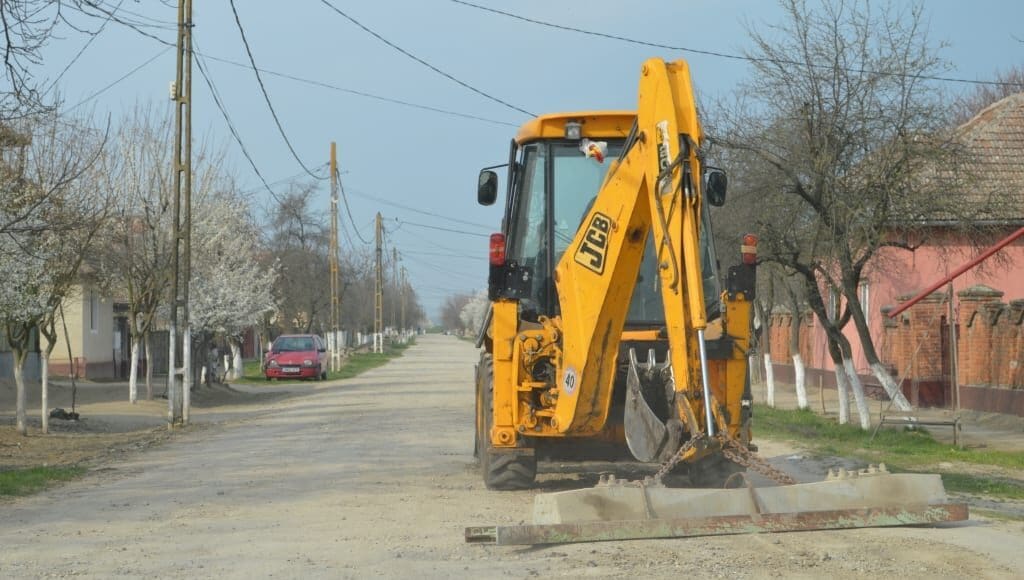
178, 396
334, 340
394, 280
378, 307
403, 297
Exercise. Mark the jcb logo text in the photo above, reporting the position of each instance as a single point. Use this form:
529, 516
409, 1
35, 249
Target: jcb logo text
594, 247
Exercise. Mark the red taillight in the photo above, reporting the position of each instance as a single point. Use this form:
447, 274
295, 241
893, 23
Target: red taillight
497, 249
749, 249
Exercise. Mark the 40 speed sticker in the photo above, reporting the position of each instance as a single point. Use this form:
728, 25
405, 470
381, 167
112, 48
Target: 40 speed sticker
569, 381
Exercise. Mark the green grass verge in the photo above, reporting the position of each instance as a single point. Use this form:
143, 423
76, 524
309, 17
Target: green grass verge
900, 449
31, 480
355, 365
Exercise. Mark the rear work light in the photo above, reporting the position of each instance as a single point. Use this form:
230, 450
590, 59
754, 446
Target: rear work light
749, 249
497, 249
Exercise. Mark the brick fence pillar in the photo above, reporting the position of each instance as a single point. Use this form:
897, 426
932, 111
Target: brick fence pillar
979, 307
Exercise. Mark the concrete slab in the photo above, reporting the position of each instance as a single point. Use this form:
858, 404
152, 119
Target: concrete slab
613, 501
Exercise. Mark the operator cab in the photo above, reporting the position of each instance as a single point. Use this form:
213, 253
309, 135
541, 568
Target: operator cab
557, 164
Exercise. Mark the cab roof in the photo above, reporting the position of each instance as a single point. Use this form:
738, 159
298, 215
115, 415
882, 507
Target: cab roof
607, 124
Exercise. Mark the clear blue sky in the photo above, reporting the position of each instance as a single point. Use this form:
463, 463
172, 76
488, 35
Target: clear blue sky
429, 160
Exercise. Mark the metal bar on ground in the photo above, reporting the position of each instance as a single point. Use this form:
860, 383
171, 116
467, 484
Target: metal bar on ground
716, 526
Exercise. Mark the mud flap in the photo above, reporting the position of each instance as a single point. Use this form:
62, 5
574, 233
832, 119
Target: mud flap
649, 400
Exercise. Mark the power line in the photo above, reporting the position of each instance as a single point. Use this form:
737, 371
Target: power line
282, 180
446, 270
444, 255
82, 50
123, 77
425, 63
364, 195
365, 94
430, 242
135, 27
263, 89
348, 211
727, 55
414, 224
234, 131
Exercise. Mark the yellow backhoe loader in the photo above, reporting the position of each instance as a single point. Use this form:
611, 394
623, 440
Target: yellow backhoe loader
605, 251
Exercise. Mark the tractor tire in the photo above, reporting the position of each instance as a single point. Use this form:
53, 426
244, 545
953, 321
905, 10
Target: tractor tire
501, 471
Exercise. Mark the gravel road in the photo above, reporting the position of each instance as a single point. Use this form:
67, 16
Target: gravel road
374, 477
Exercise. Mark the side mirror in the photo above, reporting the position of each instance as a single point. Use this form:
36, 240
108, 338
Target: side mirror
717, 183
487, 187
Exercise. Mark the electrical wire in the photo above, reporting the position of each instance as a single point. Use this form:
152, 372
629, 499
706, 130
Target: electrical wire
417, 225
365, 94
427, 241
135, 28
425, 63
82, 50
119, 80
248, 192
446, 270
348, 210
365, 195
266, 96
727, 55
445, 255
234, 131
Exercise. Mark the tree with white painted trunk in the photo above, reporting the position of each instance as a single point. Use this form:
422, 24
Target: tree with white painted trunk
763, 307
137, 245
50, 211
844, 145
793, 294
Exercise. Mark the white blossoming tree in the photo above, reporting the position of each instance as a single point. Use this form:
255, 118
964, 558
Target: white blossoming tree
473, 313
230, 290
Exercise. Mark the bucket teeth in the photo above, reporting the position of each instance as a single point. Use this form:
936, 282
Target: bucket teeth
648, 402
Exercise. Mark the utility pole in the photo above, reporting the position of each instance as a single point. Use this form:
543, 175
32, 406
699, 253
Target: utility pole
403, 297
394, 280
334, 339
378, 307
178, 396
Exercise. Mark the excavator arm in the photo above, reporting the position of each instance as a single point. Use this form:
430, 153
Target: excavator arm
654, 186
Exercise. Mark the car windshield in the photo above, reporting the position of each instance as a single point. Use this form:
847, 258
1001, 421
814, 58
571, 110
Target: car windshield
293, 343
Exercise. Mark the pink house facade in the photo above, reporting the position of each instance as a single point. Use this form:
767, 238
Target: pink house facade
988, 300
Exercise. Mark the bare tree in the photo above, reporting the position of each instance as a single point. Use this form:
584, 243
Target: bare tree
967, 105
298, 243
839, 116
451, 311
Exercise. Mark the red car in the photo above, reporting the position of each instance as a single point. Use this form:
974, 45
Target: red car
296, 356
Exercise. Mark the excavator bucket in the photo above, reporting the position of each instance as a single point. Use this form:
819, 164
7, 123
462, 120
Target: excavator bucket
617, 510
649, 394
